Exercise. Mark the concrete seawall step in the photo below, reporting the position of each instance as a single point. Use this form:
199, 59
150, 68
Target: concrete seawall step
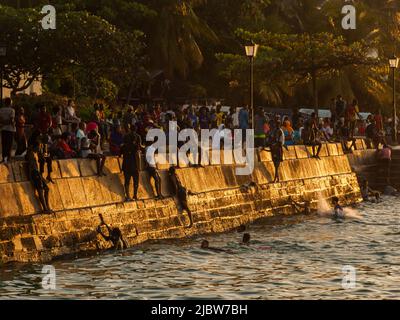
220, 203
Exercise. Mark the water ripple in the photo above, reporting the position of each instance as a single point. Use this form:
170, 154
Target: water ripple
290, 258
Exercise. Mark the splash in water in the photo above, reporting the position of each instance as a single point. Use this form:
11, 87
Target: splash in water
351, 213
324, 209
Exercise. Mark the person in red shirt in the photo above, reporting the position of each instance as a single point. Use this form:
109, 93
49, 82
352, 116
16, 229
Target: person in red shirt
20, 136
43, 120
379, 120
64, 150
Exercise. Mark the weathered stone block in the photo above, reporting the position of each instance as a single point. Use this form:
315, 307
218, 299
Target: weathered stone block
332, 149
6, 173
265, 156
20, 171
289, 154
65, 193
340, 149
87, 167
25, 196
69, 168
9, 205
301, 152
112, 166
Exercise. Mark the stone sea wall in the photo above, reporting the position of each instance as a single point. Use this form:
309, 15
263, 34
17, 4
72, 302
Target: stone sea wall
219, 202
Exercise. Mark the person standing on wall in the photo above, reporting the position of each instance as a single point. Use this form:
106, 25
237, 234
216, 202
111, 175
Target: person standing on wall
130, 164
42, 125
7, 127
340, 108
20, 136
39, 184
259, 124
244, 121
277, 143
352, 112
151, 168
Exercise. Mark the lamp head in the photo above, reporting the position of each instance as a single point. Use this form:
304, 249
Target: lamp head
394, 62
251, 50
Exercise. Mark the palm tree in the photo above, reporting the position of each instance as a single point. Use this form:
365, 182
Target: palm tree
174, 35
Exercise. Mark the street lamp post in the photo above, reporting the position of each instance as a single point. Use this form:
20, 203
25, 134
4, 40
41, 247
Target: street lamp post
251, 52
3, 53
394, 64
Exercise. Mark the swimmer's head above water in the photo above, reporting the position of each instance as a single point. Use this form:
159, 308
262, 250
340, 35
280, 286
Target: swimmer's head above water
205, 244
246, 238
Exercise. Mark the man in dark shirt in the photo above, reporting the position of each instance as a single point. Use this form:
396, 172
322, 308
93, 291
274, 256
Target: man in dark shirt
345, 137
340, 107
295, 119
42, 124
130, 164
128, 119
32, 158
372, 135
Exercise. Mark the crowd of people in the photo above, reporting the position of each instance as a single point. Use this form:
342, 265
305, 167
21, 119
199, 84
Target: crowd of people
61, 134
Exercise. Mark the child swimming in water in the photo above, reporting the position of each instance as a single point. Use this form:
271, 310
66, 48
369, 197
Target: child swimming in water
338, 212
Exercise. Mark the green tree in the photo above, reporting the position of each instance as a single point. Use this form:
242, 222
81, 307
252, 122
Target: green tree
292, 59
26, 58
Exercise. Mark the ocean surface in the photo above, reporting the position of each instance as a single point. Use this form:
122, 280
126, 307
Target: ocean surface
297, 257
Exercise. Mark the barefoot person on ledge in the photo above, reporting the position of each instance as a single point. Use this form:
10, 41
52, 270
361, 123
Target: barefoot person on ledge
130, 151
151, 169
181, 194
39, 183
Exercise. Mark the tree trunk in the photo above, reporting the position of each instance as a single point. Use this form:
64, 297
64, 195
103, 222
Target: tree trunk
129, 97
315, 91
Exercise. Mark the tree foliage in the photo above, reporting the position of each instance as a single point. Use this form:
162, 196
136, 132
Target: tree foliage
199, 44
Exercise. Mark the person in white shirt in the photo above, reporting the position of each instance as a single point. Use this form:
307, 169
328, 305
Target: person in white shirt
70, 114
327, 130
88, 148
80, 134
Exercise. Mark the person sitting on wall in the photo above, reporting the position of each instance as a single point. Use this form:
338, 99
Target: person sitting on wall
116, 140
39, 184
181, 193
368, 194
114, 235
301, 208
311, 136
345, 137
373, 137
87, 152
151, 169
63, 149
